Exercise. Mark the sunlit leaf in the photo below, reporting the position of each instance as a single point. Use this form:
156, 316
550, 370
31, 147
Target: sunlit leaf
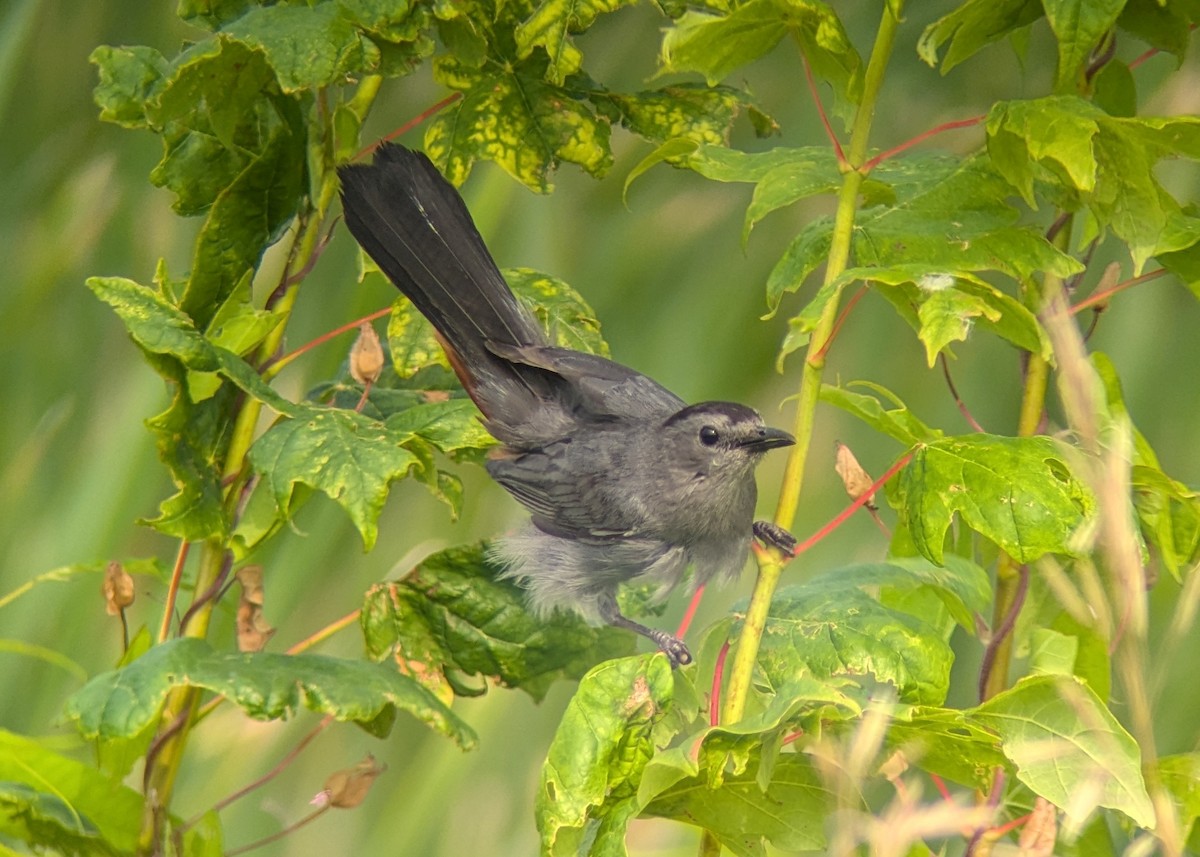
349, 457
516, 118
590, 779
1068, 747
1018, 492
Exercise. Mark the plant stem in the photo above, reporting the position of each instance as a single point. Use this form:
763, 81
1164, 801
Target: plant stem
1033, 403
770, 567
181, 703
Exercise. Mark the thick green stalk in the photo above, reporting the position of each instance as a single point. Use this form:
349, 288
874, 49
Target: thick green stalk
1033, 403
179, 710
180, 703
746, 652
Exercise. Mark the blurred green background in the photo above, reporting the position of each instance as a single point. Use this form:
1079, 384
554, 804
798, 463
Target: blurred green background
679, 299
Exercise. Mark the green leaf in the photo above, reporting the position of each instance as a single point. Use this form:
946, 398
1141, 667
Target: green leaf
717, 45
247, 217
129, 77
205, 838
1067, 745
561, 311
514, 117
1018, 492
265, 685
962, 586
190, 438
47, 822
238, 326
412, 340
953, 216
1108, 161
1180, 776
790, 812
807, 172
898, 422
974, 25
453, 614
550, 27
308, 46
1116, 90
1165, 26
589, 783
701, 114
806, 252
829, 628
212, 14
732, 165
162, 330
345, 455
712, 753
75, 799
1079, 26
1168, 511
946, 742
946, 316
451, 426
155, 324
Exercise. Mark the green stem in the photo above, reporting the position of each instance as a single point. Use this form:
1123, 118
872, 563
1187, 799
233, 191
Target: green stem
769, 570
180, 702
1033, 403
181, 706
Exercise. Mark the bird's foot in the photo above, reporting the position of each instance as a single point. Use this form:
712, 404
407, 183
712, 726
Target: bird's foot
773, 535
674, 648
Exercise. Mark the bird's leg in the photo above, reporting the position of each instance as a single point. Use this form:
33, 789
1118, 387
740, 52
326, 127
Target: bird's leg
674, 648
776, 536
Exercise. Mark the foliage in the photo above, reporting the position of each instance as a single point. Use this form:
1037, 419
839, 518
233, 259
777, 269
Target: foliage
821, 692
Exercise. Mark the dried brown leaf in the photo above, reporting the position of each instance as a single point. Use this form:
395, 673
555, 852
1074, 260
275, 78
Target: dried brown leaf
366, 356
854, 478
253, 631
348, 787
1040, 831
117, 588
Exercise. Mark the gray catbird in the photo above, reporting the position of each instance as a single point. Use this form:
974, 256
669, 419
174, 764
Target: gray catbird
623, 479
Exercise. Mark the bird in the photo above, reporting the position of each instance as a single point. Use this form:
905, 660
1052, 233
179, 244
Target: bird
623, 480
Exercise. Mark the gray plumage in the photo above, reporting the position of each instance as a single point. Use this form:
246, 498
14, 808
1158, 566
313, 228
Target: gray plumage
622, 479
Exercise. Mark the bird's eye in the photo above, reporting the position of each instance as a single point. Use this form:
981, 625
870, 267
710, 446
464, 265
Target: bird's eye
709, 436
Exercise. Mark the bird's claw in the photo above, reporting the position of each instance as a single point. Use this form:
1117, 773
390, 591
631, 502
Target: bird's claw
674, 648
775, 536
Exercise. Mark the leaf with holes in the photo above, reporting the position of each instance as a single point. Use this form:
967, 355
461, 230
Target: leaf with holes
1017, 491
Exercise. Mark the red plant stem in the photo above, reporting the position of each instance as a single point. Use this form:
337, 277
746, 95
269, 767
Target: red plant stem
164, 630
852, 508
1011, 825
998, 635
819, 356
690, 613
954, 392
1102, 296
267, 840
1135, 63
945, 126
276, 365
812, 87
940, 785
268, 776
411, 123
714, 698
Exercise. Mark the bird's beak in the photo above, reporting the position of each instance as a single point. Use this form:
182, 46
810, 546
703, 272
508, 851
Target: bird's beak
767, 438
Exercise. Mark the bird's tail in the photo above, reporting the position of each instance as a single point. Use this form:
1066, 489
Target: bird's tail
415, 226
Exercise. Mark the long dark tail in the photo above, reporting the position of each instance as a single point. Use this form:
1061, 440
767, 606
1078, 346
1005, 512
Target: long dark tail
415, 226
